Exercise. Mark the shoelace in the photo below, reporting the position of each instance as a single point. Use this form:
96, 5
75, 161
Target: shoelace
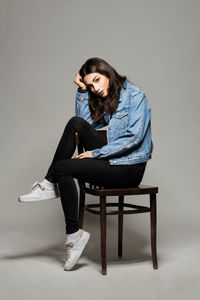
68, 247
35, 186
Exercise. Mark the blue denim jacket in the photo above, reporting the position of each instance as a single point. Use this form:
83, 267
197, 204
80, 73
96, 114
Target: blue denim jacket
129, 128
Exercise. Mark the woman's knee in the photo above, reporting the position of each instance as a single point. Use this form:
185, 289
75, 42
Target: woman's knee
76, 122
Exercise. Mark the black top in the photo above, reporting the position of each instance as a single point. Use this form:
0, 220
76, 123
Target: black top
81, 91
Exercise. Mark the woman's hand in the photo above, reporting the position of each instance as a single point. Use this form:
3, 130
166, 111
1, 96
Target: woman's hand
86, 154
78, 80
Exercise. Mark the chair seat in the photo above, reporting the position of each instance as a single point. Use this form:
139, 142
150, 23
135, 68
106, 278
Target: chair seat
140, 190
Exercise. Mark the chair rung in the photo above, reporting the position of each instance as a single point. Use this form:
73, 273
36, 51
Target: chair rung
138, 209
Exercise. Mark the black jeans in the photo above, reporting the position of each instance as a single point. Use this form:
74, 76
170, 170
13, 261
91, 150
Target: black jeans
64, 169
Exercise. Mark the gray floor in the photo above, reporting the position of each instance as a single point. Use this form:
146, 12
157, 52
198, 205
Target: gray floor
31, 266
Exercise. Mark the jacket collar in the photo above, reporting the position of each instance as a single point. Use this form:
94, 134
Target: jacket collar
123, 89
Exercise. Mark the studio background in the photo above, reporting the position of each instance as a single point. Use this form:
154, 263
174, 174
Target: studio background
42, 45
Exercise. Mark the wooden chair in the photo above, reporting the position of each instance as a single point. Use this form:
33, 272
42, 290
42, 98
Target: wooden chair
86, 188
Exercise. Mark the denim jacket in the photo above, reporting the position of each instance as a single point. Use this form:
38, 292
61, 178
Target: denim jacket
129, 128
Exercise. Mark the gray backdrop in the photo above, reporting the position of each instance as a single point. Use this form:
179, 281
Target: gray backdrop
156, 45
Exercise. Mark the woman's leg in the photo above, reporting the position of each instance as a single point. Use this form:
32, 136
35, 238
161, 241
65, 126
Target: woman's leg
95, 171
89, 136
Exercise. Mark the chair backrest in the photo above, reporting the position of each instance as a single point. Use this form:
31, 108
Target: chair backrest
103, 133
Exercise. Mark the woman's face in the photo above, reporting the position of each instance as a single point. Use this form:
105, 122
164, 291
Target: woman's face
97, 83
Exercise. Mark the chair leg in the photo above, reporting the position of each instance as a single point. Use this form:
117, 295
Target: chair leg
81, 207
153, 229
103, 233
120, 225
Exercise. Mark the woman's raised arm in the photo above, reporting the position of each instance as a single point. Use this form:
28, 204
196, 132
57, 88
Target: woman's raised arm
78, 81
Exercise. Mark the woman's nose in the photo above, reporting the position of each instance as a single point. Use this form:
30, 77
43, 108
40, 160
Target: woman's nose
96, 88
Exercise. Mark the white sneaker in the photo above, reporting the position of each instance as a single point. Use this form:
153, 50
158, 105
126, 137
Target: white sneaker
39, 192
74, 250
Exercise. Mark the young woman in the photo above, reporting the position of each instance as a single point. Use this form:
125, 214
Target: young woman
104, 97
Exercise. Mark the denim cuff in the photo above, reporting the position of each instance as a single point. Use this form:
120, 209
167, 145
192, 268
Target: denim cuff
95, 153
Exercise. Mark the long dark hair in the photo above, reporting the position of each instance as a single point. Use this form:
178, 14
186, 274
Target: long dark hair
97, 105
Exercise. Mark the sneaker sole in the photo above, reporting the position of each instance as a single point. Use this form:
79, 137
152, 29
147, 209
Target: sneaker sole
36, 199
86, 239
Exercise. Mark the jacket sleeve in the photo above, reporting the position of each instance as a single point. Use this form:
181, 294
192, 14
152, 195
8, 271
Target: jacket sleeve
82, 108
139, 120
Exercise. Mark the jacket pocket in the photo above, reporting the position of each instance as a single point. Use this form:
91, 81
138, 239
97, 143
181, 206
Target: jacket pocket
120, 120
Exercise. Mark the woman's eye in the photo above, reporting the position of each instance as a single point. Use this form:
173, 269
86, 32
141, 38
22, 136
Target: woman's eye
97, 79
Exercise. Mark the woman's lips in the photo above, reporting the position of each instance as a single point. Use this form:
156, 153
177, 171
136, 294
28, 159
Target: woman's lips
100, 94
